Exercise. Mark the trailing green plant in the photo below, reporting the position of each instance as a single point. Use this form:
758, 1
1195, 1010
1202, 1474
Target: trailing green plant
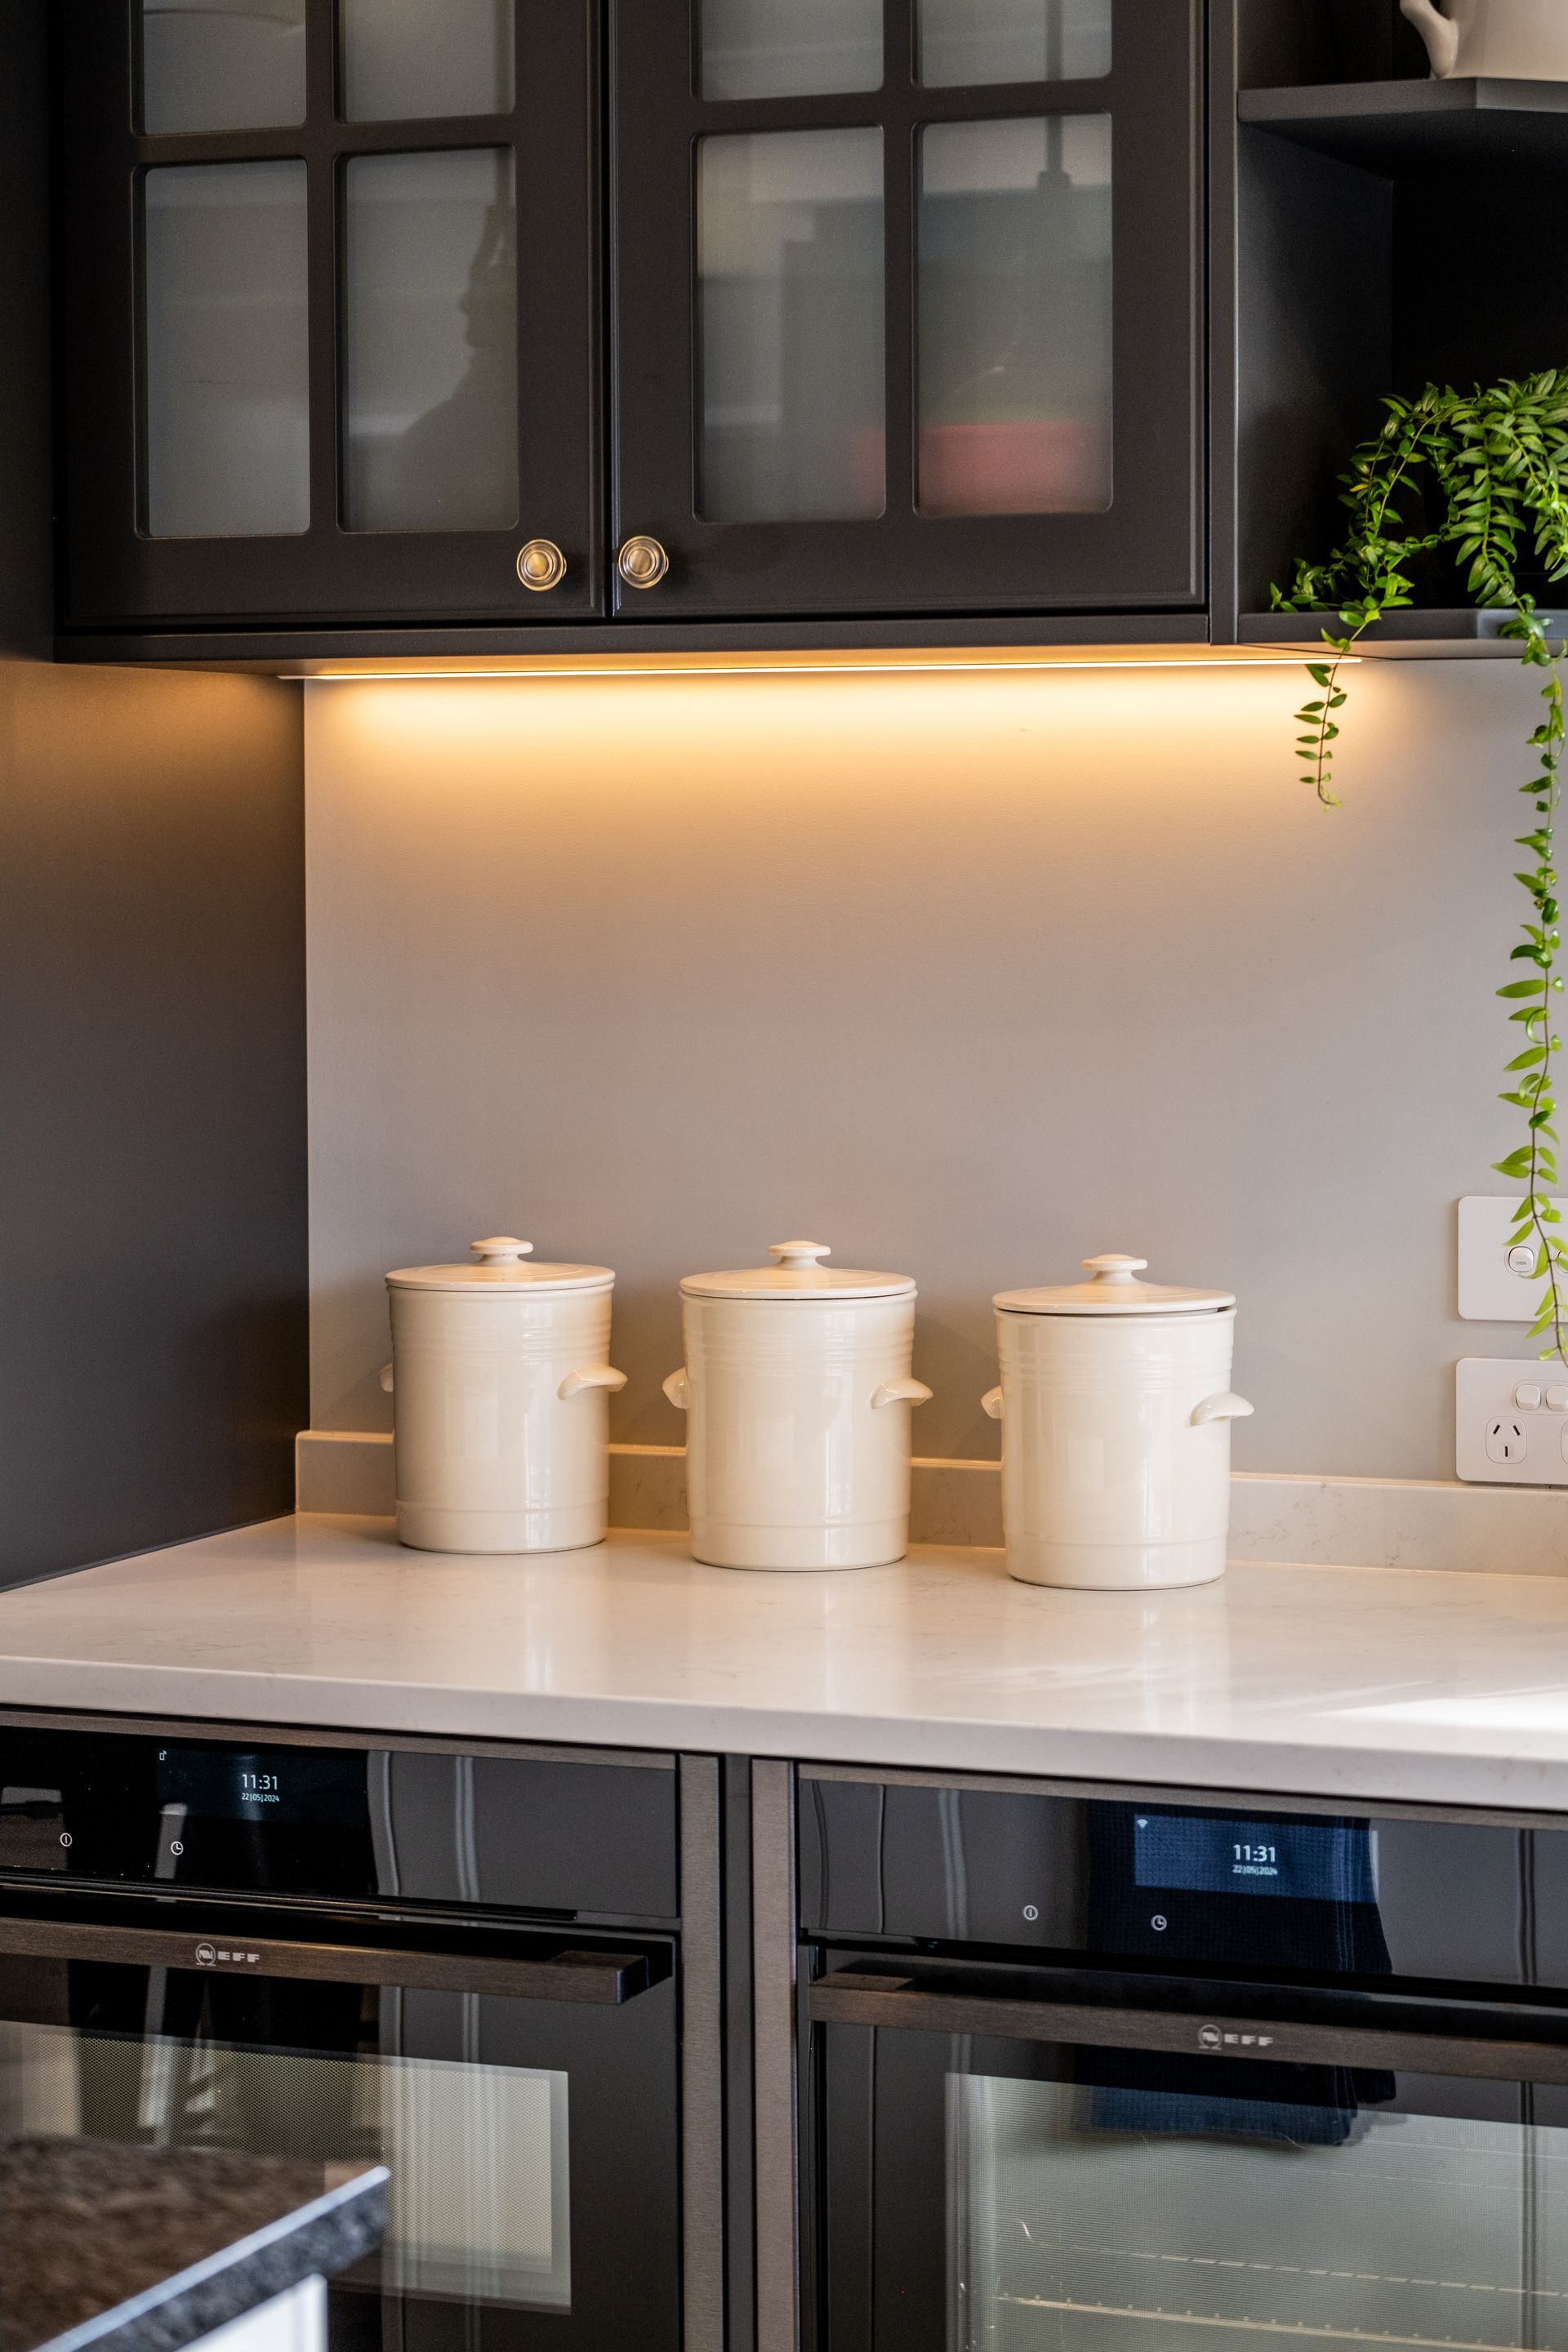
1475, 477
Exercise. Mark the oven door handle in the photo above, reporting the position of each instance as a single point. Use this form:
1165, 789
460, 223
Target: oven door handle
848, 1998
608, 1978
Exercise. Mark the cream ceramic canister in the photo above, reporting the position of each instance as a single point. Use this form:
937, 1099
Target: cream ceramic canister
500, 1388
1116, 1407
797, 1393
1509, 40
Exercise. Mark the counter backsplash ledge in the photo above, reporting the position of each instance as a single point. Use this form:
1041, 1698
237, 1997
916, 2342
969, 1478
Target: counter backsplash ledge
1318, 1521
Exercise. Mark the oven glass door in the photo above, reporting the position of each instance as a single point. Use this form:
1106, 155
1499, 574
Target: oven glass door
988, 2191
522, 2096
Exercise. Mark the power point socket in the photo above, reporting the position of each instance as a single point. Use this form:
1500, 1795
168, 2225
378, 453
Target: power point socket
1510, 1424
1493, 1289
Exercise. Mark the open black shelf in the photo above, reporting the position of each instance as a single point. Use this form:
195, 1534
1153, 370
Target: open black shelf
1414, 634
1403, 127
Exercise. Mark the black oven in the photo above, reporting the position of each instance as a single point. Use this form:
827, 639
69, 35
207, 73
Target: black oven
1095, 2073
471, 1966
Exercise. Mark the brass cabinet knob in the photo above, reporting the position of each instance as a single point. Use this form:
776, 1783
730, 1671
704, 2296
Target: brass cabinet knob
541, 564
642, 562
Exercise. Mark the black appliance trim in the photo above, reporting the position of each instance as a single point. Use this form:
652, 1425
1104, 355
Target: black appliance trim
911, 2004
568, 1973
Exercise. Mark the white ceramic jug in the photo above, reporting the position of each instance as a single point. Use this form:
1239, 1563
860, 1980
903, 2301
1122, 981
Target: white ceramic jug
1116, 1407
1512, 40
797, 1392
501, 1388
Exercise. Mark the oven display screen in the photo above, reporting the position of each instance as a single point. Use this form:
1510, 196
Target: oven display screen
273, 1785
1324, 1862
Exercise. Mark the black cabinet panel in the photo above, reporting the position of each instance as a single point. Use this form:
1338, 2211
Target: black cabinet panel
770, 251
496, 1832
124, 565
1165, 1881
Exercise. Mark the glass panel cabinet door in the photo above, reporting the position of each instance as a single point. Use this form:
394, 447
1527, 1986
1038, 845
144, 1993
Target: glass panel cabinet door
331, 311
909, 306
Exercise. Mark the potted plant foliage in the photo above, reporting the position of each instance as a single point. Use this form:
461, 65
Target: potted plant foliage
1479, 477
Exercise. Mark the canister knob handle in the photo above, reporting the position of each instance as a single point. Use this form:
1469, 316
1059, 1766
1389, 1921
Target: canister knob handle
1114, 1268
1220, 1408
797, 1257
591, 1376
901, 1393
991, 1402
677, 1390
502, 1249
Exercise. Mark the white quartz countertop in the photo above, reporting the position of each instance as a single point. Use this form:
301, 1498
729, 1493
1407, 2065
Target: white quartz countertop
1429, 1685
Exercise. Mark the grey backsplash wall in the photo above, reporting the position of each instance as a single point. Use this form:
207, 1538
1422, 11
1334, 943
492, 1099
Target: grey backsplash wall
967, 977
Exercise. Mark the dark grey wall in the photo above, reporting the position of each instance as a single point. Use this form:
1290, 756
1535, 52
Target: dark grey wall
152, 1239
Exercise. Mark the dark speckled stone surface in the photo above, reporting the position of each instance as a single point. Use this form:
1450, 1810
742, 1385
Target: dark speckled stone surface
147, 2250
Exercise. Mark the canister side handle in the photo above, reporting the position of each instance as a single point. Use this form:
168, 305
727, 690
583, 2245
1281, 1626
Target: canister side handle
1220, 1408
901, 1393
991, 1402
677, 1387
590, 1376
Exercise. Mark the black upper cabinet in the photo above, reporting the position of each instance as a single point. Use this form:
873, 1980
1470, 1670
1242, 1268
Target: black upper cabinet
906, 302
331, 304
904, 305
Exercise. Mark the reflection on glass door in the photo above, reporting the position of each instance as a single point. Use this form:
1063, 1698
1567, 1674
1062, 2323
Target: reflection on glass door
222, 65
1012, 40
1078, 2221
788, 49
790, 325
480, 2189
430, 342
405, 57
1015, 385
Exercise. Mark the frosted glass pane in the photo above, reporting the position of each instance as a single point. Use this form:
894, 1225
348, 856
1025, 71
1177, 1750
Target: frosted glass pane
790, 49
1013, 40
789, 260
1015, 316
430, 333
227, 450
222, 65
426, 58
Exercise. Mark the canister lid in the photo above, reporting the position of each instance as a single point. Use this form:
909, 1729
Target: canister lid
1114, 1290
795, 1273
500, 1268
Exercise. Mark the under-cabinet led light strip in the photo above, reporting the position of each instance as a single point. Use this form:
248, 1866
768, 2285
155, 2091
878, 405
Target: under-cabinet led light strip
803, 669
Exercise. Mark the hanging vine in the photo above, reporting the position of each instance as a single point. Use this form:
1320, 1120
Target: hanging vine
1477, 476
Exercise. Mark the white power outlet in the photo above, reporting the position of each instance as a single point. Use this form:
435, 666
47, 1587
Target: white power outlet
1511, 1420
1493, 1289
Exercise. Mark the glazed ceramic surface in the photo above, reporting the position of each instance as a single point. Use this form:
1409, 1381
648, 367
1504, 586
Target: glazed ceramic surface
500, 1388
797, 1394
1513, 40
1116, 1407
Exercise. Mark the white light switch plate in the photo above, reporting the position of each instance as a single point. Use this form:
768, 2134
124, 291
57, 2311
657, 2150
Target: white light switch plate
1498, 1441
1489, 1290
